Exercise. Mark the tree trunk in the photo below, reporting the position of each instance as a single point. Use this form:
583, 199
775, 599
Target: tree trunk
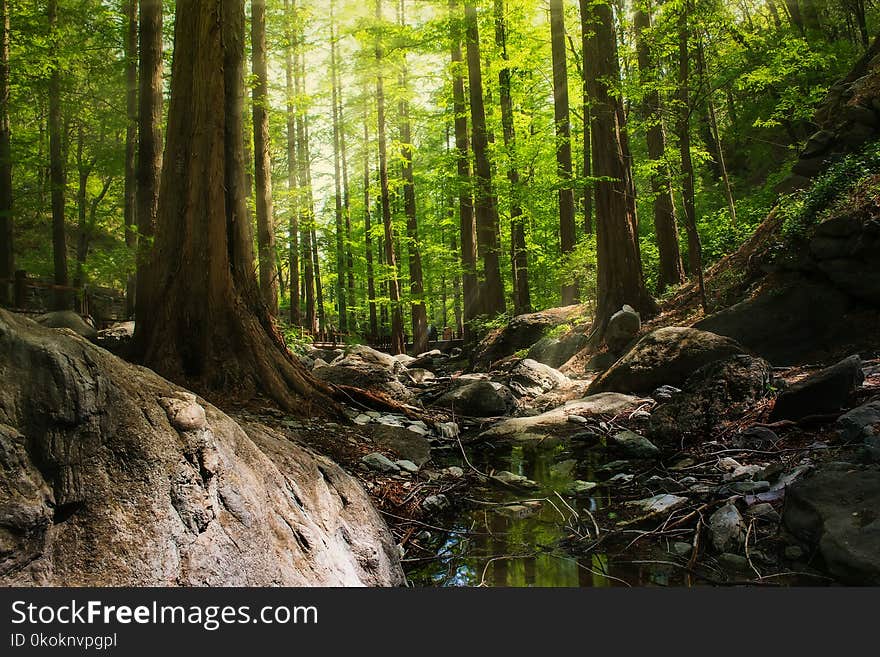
341, 305
262, 161
398, 339
467, 223
306, 207
522, 302
589, 189
61, 297
149, 152
567, 237
695, 255
293, 189
416, 280
671, 271
131, 106
368, 231
619, 267
210, 328
7, 254
491, 290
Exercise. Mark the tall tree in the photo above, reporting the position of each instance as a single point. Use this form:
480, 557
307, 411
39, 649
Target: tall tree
567, 237
262, 159
416, 280
57, 177
225, 340
398, 339
368, 229
519, 255
292, 166
342, 307
586, 104
491, 290
7, 259
671, 271
149, 152
620, 278
467, 221
131, 107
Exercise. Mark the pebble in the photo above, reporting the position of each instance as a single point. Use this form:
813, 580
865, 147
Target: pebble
435, 503
380, 463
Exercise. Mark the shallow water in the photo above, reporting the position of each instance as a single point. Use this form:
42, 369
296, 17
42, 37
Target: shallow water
525, 545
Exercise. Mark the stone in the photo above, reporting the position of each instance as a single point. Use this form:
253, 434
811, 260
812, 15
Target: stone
117, 338
581, 488
667, 356
747, 487
681, 549
556, 351
734, 562
793, 552
622, 328
529, 377
563, 468
658, 504
514, 480
835, 512
744, 472
478, 399
436, 503
403, 442
408, 466
391, 420
620, 478
635, 446
362, 419
861, 424
380, 463
98, 489
416, 429
448, 430
665, 394
823, 392
68, 319
817, 144
453, 471
419, 375
727, 530
363, 367
763, 510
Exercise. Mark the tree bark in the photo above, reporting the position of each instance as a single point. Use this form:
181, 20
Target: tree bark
131, 107
210, 329
7, 253
293, 189
567, 237
589, 189
341, 305
61, 297
398, 339
671, 270
368, 231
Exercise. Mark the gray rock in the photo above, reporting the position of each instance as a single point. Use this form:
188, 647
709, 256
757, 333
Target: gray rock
403, 442
861, 424
623, 327
734, 562
658, 505
530, 377
556, 351
419, 375
635, 446
408, 466
453, 471
793, 552
620, 478
416, 429
70, 320
681, 549
380, 463
514, 480
727, 531
362, 419
763, 510
747, 487
478, 399
665, 394
823, 392
581, 488
436, 503
117, 338
362, 367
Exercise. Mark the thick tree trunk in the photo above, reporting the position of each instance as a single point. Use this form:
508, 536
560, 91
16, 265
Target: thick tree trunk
262, 160
589, 190
7, 254
62, 298
131, 107
619, 267
671, 271
695, 255
491, 290
522, 302
293, 190
467, 222
210, 329
149, 152
398, 339
567, 237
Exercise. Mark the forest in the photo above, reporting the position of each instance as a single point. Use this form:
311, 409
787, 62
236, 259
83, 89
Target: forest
599, 277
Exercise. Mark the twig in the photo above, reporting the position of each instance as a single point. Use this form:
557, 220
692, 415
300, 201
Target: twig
748, 555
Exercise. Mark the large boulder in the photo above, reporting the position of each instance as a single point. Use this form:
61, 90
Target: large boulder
555, 351
529, 377
405, 443
622, 328
70, 320
834, 509
363, 367
666, 356
862, 424
478, 398
825, 391
112, 476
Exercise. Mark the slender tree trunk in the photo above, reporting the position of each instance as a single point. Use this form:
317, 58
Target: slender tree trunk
794, 15
262, 159
83, 170
416, 280
522, 302
398, 338
341, 305
589, 191
491, 295
226, 341
306, 208
131, 106
567, 237
319, 291
467, 222
619, 266
671, 271
61, 297
695, 255
293, 189
7, 253
346, 210
368, 231
149, 152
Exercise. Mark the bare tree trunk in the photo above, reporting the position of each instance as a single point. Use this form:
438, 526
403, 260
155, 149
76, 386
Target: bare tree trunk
346, 210
398, 339
491, 295
368, 231
671, 271
225, 342
341, 305
567, 237
131, 106
7, 221
262, 161
589, 191
306, 208
61, 297
467, 223
149, 152
522, 302
293, 189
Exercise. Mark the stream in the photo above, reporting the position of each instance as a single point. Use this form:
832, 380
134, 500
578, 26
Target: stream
520, 538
